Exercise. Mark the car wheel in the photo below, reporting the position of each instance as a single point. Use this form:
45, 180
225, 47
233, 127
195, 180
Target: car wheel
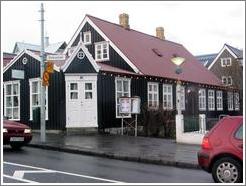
227, 170
16, 146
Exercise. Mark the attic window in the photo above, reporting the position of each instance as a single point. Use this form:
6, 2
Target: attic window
157, 52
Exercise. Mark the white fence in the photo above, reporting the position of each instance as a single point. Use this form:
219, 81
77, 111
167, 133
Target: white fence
190, 137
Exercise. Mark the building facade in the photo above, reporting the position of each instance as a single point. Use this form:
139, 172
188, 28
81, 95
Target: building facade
105, 61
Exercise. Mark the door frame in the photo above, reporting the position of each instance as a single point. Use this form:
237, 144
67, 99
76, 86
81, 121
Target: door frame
78, 77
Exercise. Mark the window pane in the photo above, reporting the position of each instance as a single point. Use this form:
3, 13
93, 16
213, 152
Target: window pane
16, 101
9, 112
119, 87
105, 55
239, 133
8, 102
8, 89
88, 95
155, 88
15, 113
150, 87
74, 95
73, 86
150, 97
88, 86
35, 100
15, 89
125, 85
35, 87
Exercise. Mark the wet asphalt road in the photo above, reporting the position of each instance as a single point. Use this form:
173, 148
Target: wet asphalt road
44, 166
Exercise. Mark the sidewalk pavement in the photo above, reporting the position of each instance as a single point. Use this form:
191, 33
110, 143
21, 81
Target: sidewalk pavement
141, 149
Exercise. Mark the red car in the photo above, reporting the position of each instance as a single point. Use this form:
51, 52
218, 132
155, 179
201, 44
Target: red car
16, 134
222, 150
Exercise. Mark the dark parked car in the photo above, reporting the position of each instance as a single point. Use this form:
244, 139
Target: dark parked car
16, 134
222, 150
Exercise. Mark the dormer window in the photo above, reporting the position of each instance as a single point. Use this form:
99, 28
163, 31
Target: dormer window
87, 38
102, 51
225, 62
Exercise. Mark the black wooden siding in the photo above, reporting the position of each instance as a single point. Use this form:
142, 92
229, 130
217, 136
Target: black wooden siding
106, 100
56, 94
80, 65
114, 58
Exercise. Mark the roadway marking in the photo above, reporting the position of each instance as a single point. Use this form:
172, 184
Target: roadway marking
21, 173
19, 179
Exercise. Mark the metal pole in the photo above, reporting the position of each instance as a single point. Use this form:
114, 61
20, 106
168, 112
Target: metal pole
136, 125
122, 126
42, 88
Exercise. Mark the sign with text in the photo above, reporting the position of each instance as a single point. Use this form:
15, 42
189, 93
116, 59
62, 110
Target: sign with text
18, 74
125, 105
129, 105
58, 57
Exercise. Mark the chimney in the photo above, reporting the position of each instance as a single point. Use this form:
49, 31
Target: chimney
46, 41
160, 33
124, 20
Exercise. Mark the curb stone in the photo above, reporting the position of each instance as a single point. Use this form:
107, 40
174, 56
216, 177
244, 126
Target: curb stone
116, 156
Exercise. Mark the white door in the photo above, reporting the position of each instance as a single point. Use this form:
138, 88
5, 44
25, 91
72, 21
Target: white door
81, 104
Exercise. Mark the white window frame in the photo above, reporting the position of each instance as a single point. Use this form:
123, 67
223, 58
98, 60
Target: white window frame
168, 95
122, 92
211, 100
89, 34
236, 101
32, 80
202, 99
219, 100
224, 80
225, 62
230, 100
12, 101
153, 93
101, 44
182, 98
73, 91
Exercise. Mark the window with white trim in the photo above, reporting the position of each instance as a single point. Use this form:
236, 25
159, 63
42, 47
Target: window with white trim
35, 100
87, 38
73, 91
202, 99
219, 97
12, 100
122, 88
153, 95
229, 80
102, 51
225, 62
224, 80
211, 101
236, 101
167, 96
182, 98
230, 100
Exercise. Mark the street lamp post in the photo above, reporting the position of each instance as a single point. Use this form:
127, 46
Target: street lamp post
178, 61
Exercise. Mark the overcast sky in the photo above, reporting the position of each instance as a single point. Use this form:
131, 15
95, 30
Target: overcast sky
202, 27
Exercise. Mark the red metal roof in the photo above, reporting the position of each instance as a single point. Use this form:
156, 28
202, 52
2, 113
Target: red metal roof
7, 57
138, 47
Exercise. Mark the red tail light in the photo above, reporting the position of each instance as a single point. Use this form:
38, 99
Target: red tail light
205, 143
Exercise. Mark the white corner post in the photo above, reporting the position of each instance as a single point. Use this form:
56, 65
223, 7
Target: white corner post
42, 88
179, 117
178, 97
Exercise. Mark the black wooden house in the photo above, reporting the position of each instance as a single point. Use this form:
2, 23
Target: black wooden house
106, 61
